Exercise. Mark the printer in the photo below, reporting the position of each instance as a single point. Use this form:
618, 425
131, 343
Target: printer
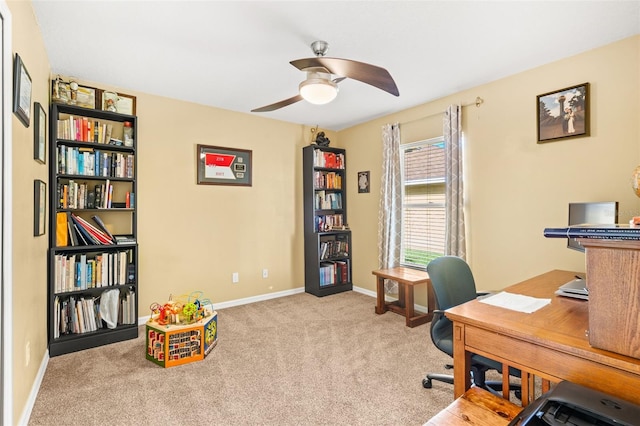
569, 404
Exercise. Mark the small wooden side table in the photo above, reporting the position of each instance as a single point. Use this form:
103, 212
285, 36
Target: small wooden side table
407, 279
476, 407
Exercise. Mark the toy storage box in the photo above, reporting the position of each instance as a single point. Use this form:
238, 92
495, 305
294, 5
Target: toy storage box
175, 344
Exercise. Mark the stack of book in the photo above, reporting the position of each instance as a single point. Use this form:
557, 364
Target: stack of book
618, 231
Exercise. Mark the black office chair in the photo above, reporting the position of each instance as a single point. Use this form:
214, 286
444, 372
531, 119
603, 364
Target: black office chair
453, 284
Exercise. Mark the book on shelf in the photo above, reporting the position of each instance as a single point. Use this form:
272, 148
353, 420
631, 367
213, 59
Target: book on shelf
124, 239
101, 225
618, 231
95, 234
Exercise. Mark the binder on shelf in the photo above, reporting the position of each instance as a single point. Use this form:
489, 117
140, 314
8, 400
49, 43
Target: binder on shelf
62, 232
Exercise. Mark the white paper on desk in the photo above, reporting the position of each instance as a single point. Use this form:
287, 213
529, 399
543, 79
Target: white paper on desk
516, 302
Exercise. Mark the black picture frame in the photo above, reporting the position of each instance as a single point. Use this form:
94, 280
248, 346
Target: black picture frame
217, 165
39, 207
39, 133
22, 89
363, 182
563, 114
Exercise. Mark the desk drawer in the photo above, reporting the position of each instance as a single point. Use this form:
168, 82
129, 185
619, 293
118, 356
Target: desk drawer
551, 364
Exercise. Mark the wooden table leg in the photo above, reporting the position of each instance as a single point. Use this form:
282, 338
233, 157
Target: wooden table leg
380, 305
409, 309
402, 291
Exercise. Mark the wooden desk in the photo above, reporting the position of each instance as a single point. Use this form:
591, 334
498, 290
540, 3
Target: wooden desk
550, 343
476, 407
407, 279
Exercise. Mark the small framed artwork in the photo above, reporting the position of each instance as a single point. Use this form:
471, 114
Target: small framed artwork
86, 97
363, 182
563, 113
39, 133
39, 207
21, 91
73, 93
223, 166
126, 104
118, 102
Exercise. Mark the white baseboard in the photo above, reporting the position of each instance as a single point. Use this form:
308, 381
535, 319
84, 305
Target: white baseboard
244, 301
26, 413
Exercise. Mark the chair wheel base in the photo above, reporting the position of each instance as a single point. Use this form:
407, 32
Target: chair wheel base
426, 383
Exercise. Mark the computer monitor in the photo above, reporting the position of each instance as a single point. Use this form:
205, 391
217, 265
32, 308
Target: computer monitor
600, 213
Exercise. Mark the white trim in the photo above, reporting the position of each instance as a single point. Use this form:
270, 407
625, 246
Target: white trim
28, 406
244, 301
6, 207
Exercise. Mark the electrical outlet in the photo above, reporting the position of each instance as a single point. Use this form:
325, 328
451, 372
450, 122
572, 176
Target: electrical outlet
265, 273
235, 277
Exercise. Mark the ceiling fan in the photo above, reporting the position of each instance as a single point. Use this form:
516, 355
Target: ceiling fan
321, 87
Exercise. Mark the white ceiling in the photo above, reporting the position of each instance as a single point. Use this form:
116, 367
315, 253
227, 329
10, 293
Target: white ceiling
235, 54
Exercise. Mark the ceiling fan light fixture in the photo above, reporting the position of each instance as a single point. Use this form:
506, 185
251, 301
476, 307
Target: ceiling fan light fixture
318, 91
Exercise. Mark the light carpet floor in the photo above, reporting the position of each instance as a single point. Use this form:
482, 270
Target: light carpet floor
295, 360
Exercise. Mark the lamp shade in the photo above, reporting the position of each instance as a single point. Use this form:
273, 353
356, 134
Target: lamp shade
318, 91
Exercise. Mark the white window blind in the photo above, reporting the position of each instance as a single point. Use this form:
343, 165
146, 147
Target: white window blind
423, 202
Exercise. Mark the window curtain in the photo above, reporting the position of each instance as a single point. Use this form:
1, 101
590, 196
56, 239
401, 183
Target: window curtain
455, 243
390, 212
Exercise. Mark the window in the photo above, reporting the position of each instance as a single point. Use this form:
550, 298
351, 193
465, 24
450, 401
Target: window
423, 201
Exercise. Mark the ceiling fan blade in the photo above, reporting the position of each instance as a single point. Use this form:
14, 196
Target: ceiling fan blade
278, 105
366, 73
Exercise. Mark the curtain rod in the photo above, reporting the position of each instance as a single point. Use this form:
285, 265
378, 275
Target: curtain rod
478, 102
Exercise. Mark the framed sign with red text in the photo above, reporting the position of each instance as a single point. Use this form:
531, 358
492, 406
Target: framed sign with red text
223, 166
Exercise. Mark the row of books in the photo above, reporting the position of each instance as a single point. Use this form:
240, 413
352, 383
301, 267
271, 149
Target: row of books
619, 231
80, 271
74, 195
87, 161
328, 160
333, 248
73, 230
84, 129
327, 180
336, 272
328, 222
328, 200
73, 315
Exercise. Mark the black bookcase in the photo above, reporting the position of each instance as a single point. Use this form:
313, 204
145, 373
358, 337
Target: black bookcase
327, 239
92, 178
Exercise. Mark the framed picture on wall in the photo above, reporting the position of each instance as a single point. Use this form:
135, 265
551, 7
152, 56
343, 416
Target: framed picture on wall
224, 166
363, 182
21, 91
39, 133
39, 207
563, 113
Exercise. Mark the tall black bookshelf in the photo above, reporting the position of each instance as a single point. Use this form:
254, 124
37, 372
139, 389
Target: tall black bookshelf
327, 239
92, 180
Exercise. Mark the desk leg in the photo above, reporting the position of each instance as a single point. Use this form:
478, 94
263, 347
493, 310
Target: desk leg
461, 362
380, 304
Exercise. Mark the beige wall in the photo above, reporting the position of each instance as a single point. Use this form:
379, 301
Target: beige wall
29, 252
515, 186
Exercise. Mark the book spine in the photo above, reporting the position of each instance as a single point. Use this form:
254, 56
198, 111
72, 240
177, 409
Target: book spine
598, 233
